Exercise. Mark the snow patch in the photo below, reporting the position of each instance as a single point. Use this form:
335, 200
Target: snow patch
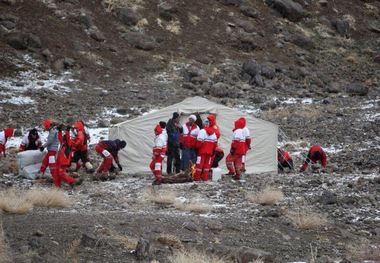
18, 100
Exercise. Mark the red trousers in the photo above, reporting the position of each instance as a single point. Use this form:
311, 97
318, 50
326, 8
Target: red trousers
156, 167
107, 159
235, 164
62, 176
57, 173
2, 149
202, 167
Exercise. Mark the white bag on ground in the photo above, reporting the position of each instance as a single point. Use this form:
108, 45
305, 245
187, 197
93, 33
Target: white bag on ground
216, 174
31, 171
30, 157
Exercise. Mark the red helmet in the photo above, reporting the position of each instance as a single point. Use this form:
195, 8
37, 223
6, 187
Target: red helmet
158, 130
8, 132
79, 126
47, 124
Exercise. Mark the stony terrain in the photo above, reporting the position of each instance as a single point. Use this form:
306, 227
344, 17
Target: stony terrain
310, 66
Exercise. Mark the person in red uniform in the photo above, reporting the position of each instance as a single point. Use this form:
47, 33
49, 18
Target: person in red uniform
214, 158
80, 148
4, 136
188, 140
234, 160
52, 146
31, 141
109, 150
206, 144
248, 140
284, 160
315, 154
159, 151
63, 161
212, 120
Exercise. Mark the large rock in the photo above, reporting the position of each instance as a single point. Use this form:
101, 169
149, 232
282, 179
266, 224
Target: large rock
302, 41
231, 2
219, 90
96, 34
341, 26
167, 10
85, 20
21, 40
128, 16
249, 11
328, 198
140, 40
245, 43
251, 67
287, 8
357, 88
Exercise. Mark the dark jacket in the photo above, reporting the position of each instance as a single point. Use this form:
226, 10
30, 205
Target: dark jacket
173, 134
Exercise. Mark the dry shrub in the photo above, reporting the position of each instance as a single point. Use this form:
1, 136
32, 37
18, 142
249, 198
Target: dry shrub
112, 5
303, 111
364, 250
4, 249
196, 206
307, 220
193, 19
170, 240
161, 197
194, 256
174, 27
125, 241
14, 202
71, 255
11, 168
51, 198
267, 196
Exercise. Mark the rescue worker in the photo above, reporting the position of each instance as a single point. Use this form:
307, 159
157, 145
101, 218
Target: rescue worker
173, 130
188, 140
315, 154
80, 147
284, 160
247, 136
63, 161
4, 136
109, 150
31, 141
52, 145
218, 156
234, 160
206, 144
159, 151
212, 120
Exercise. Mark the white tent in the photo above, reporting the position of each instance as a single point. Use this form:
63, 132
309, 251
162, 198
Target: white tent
139, 135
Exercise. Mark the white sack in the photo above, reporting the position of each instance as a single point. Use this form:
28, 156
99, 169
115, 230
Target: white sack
30, 157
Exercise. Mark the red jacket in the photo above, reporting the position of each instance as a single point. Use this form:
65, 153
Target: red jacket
79, 140
283, 156
206, 141
246, 134
189, 136
211, 118
160, 142
316, 153
238, 145
65, 151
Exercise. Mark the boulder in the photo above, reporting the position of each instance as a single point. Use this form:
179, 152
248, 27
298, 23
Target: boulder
96, 34
376, 58
85, 20
341, 26
251, 67
302, 41
287, 8
231, 2
102, 123
128, 16
357, 89
22, 40
219, 90
34, 41
249, 11
246, 26
167, 10
268, 71
328, 198
140, 40
333, 87
245, 43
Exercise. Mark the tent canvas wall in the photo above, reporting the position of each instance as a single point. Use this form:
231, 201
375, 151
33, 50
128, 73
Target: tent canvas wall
138, 133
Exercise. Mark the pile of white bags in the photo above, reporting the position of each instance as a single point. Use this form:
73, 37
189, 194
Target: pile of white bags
29, 163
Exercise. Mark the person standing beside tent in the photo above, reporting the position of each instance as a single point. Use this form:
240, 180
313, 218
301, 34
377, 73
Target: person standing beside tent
234, 160
173, 129
206, 144
284, 160
52, 145
219, 154
212, 120
159, 151
188, 140
315, 154
4, 136
31, 141
248, 140
109, 150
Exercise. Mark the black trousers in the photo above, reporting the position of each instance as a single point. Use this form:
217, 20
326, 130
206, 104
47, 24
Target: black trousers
173, 159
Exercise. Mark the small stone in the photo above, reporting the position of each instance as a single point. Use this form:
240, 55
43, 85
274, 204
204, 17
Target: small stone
38, 233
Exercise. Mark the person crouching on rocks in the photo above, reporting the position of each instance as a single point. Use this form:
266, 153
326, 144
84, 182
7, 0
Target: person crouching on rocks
108, 150
4, 136
315, 154
159, 151
31, 141
284, 160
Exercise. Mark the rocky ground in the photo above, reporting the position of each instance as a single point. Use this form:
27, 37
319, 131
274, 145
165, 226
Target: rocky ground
312, 67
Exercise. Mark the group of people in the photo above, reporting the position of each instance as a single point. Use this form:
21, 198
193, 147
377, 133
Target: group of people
192, 144
196, 143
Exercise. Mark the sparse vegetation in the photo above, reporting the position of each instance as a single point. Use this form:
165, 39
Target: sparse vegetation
267, 196
4, 249
304, 111
307, 220
364, 250
194, 256
112, 5
161, 197
170, 240
196, 206
71, 255
14, 202
174, 27
51, 198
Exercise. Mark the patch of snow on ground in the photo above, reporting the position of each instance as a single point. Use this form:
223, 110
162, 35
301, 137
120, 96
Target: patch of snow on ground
18, 100
297, 100
248, 109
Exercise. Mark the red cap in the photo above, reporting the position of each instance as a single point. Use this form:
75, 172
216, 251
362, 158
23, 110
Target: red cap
158, 129
79, 126
47, 124
211, 119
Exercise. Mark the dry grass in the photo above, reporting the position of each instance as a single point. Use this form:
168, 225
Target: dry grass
364, 250
193, 19
11, 168
307, 220
171, 240
125, 241
174, 27
194, 256
304, 111
52, 198
4, 249
267, 196
14, 202
195, 206
71, 255
112, 5
161, 197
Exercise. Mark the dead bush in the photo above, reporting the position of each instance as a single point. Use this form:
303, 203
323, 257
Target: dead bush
196, 206
194, 256
11, 168
112, 5
364, 250
4, 249
303, 111
307, 220
160, 197
71, 255
267, 196
14, 202
170, 240
52, 198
